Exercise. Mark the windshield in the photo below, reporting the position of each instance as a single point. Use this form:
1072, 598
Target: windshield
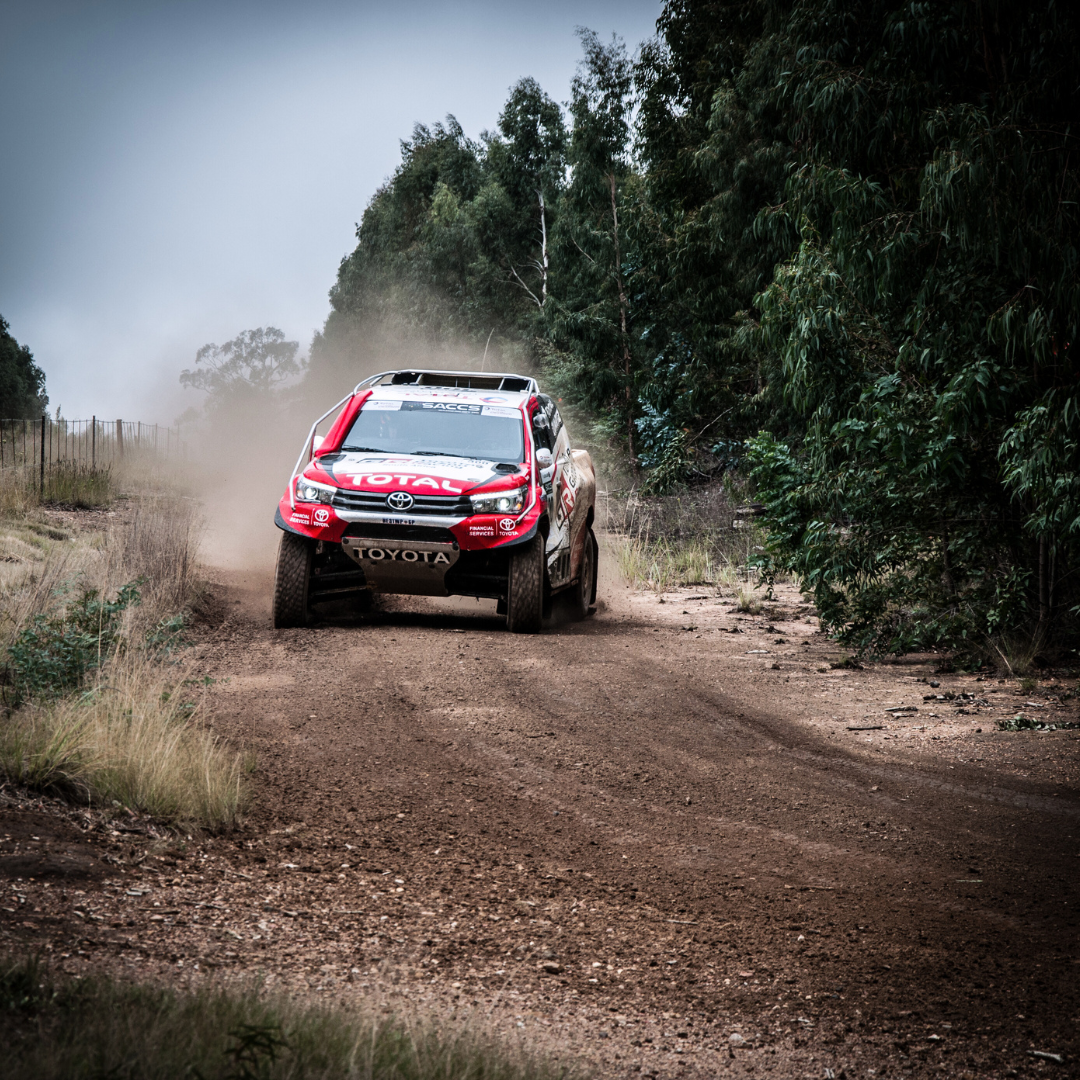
447, 428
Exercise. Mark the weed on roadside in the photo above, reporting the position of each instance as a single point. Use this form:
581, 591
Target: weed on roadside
695, 537
53, 655
747, 602
99, 1027
70, 484
135, 738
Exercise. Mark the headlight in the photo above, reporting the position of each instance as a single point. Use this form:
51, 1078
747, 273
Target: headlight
499, 502
309, 491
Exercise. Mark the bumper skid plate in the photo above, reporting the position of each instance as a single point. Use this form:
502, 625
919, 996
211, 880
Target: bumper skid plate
403, 566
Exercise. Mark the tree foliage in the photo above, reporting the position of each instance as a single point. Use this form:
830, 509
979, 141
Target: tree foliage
22, 382
255, 361
921, 333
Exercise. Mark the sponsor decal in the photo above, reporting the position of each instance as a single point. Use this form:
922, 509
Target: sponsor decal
321, 516
507, 525
353, 461
376, 554
300, 517
567, 502
399, 500
499, 410
441, 406
404, 480
481, 530
377, 405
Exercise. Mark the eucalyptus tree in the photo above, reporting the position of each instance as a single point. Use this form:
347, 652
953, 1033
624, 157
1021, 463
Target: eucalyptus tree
713, 151
593, 320
529, 161
924, 330
253, 363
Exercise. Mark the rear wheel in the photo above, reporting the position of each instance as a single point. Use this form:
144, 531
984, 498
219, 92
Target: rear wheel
525, 604
584, 592
292, 580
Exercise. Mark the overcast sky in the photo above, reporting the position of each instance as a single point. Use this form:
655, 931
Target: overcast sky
175, 172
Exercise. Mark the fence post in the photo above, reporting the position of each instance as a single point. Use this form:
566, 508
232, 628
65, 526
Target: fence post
120, 438
93, 443
44, 421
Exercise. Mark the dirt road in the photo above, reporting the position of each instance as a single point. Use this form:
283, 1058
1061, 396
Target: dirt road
649, 839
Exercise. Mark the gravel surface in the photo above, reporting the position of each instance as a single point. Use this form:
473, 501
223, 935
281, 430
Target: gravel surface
656, 842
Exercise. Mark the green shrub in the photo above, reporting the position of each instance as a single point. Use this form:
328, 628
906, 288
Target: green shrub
53, 655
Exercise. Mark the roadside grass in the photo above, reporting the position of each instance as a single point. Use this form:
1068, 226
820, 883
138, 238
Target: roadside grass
134, 738
700, 537
74, 484
746, 601
99, 1027
158, 546
95, 703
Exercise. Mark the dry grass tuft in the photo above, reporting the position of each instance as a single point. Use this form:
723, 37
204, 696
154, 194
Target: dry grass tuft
134, 738
158, 545
746, 601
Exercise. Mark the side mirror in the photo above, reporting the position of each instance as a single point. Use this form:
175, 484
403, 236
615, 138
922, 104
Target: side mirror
316, 443
544, 460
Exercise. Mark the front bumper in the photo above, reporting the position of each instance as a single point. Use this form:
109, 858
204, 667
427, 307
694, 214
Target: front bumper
421, 555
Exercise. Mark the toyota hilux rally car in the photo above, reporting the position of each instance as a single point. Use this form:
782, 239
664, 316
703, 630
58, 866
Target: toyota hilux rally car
440, 483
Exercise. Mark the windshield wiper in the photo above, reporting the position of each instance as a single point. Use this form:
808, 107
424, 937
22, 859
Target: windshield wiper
368, 449
436, 453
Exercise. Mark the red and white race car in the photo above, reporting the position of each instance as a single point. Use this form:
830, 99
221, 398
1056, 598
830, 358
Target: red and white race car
440, 483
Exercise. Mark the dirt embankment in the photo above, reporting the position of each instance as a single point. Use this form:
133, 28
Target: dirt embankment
671, 840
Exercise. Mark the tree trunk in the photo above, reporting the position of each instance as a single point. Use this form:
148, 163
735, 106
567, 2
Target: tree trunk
946, 575
622, 319
543, 250
1044, 591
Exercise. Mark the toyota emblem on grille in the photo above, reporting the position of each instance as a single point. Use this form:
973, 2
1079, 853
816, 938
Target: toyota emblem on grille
399, 500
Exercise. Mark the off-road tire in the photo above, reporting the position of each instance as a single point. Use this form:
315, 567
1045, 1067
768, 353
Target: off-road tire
584, 592
291, 581
525, 603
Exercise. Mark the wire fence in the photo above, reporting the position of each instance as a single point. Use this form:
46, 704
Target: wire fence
35, 445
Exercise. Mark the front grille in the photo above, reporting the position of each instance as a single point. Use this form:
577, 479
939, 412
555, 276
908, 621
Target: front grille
374, 502
374, 530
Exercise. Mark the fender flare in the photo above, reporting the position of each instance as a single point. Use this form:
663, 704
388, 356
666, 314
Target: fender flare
282, 524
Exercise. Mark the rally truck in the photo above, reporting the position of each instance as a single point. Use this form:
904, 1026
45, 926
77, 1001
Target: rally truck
439, 483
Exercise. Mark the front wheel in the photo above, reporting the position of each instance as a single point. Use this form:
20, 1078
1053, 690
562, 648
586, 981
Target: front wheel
525, 604
291, 581
584, 592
